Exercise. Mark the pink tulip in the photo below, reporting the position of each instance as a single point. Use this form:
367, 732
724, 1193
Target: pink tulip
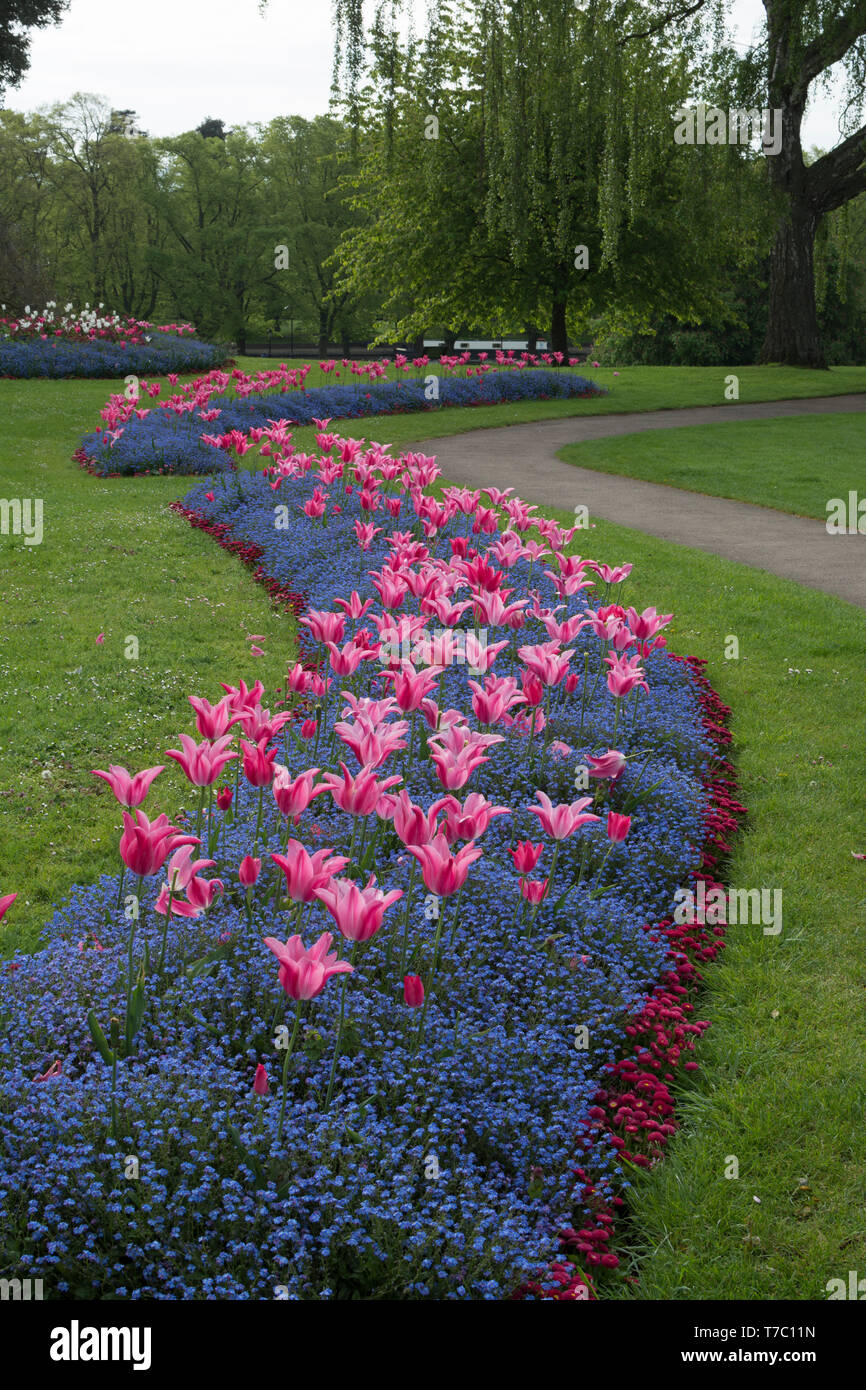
344, 661
179, 906
182, 867
646, 624
201, 892
443, 872
130, 791
534, 890
609, 765
308, 729
304, 973
354, 607
546, 661
413, 991
99, 641
411, 686
224, 798
357, 911
56, 1069
470, 821
202, 763
496, 697
624, 675
5, 904
526, 856
563, 820
293, 795
258, 763
145, 846
358, 795
617, 827
305, 873
243, 699
325, 627
413, 825
260, 1082
213, 721
249, 870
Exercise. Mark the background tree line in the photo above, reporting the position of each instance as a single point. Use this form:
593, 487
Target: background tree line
510, 171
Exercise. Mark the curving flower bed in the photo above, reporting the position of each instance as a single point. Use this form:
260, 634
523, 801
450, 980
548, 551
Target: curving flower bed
59, 357
203, 1101
201, 428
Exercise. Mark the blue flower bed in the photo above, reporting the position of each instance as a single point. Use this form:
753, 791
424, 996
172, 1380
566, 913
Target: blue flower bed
442, 1174
57, 357
168, 443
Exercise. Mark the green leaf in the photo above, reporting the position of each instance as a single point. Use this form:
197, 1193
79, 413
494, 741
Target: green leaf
100, 1039
207, 964
137, 1000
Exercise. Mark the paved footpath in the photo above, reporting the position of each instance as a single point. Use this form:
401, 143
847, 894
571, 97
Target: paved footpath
798, 548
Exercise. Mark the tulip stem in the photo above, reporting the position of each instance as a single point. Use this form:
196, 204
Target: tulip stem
340, 1027
259, 820
456, 914
531, 923
286, 1069
165, 926
129, 953
405, 944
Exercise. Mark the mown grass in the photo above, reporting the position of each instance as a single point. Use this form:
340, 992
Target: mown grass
793, 465
782, 1081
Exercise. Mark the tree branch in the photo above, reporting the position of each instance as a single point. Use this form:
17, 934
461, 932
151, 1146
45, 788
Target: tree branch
830, 46
678, 12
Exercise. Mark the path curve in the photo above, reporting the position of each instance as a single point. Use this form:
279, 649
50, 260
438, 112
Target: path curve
793, 547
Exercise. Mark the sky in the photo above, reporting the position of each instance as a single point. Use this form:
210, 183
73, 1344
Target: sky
176, 62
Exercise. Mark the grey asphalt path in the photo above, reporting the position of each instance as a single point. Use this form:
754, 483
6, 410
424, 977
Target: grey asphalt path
797, 548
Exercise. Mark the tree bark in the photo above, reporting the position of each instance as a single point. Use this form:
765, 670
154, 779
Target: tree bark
558, 332
793, 336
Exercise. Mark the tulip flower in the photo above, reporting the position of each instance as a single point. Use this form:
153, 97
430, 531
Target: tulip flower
469, 821
526, 856
213, 721
130, 791
610, 765
145, 845
624, 675
258, 764
617, 827
305, 873
534, 890
443, 872
224, 798
358, 912
56, 1069
249, 870
413, 991
305, 972
294, 794
201, 892
260, 1081
202, 763
5, 904
562, 821
358, 795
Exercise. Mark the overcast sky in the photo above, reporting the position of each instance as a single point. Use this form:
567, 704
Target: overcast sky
176, 62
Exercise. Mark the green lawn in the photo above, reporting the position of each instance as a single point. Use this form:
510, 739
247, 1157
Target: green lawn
792, 465
782, 1083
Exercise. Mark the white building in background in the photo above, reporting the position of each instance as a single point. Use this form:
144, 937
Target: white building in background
488, 344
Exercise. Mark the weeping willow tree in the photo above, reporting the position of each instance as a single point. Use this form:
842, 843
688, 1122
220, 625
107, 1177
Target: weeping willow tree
518, 165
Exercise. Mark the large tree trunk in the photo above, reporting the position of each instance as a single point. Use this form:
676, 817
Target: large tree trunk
323, 333
793, 336
558, 333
